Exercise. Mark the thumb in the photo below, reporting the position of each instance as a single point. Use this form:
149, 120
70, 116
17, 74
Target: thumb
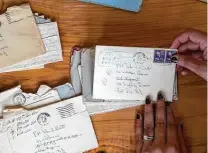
197, 66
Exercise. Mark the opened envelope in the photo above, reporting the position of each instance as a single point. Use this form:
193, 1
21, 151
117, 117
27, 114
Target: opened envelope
19, 36
132, 73
63, 127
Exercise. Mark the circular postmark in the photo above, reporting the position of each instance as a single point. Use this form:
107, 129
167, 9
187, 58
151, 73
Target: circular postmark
19, 99
43, 118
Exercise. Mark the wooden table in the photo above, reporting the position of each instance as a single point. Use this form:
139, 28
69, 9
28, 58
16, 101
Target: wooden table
156, 25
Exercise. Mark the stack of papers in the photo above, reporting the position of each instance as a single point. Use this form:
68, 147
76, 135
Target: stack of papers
60, 127
109, 78
32, 51
112, 78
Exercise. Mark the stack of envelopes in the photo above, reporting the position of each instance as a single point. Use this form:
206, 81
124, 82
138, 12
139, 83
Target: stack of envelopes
112, 78
27, 40
108, 77
63, 127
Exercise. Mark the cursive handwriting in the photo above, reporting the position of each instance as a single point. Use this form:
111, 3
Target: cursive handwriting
51, 143
3, 53
128, 70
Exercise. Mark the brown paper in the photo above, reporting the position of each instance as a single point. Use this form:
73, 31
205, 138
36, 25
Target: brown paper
19, 36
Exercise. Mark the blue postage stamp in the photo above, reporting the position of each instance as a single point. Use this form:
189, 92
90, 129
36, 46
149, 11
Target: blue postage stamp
168, 56
159, 56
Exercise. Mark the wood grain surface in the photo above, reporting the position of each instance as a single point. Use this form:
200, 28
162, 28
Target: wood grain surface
156, 25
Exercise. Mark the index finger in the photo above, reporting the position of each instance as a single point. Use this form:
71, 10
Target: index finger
139, 133
190, 35
160, 127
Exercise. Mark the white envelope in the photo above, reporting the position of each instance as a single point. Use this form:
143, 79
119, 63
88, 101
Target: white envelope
132, 73
63, 127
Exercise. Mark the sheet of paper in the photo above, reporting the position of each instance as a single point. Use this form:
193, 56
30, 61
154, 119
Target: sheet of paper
19, 35
130, 73
51, 39
75, 62
64, 127
87, 71
41, 20
105, 107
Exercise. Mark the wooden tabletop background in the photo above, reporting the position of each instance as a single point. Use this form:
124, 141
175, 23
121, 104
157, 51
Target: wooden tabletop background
156, 25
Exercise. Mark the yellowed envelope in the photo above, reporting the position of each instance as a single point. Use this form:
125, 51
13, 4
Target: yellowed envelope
19, 36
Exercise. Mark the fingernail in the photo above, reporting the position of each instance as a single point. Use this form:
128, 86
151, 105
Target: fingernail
102, 151
148, 101
167, 103
160, 96
181, 125
138, 116
174, 59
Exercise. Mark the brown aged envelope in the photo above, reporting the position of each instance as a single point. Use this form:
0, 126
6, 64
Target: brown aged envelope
19, 36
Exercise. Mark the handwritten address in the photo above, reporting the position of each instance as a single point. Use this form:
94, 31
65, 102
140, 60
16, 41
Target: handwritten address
129, 70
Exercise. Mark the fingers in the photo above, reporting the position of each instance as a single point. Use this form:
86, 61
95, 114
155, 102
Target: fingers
181, 70
184, 72
160, 128
198, 55
183, 148
139, 133
195, 36
189, 45
172, 136
148, 124
194, 65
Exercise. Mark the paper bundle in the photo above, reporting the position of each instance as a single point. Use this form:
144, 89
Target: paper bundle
47, 37
112, 78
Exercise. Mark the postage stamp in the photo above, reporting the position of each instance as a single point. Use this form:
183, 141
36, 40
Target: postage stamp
43, 118
19, 99
159, 56
168, 56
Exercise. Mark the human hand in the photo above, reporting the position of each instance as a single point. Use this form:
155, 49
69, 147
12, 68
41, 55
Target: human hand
192, 52
166, 137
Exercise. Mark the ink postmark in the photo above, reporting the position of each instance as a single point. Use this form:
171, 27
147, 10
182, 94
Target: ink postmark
43, 118
168, 56
19, 99
159, 56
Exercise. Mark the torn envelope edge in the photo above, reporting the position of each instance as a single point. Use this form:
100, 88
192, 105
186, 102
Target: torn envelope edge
44, 96
40, 19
